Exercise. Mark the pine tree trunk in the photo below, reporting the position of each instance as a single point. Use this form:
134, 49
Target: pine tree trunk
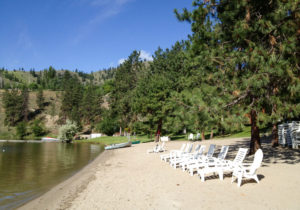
202, 135
211, 134
255, 139
158, 131
274, 136
120, 131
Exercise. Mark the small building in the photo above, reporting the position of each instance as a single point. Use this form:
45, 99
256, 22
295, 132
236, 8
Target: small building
96, 135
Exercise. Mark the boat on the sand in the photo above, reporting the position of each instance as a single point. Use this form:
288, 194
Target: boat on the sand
117, 146
136, 142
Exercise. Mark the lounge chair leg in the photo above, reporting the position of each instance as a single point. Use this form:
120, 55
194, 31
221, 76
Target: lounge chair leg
221, 175
232, 179
239, 181
202, 177
256, 178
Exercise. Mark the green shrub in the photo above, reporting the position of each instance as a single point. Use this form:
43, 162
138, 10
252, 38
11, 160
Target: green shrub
107, 126
21, 130
67, 131
37, 128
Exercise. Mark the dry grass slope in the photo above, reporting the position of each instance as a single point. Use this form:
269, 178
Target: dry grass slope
49, 115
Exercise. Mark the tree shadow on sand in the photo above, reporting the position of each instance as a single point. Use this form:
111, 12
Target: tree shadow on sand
271, 155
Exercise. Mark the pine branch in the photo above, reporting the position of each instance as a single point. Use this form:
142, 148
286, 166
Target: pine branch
238, 99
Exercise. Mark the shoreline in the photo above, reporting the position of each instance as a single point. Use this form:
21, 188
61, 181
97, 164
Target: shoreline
129, 178
61, 195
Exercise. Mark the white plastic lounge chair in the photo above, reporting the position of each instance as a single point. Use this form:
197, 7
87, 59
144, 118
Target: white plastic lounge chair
180, 157
157, 148
248, 172
166, 157
188, 150
161, 148
193, 159
191, 136
222, 166
195, 164
175, 154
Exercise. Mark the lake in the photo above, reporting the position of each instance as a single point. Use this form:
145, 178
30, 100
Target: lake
29, 169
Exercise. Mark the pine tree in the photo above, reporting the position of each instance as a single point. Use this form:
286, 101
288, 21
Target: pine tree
40, 99
165, 75
24, 105
91, 104
250, 47
71, 100
122, 95
12, 103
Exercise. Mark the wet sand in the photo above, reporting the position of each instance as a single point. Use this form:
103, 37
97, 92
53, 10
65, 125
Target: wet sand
130, 178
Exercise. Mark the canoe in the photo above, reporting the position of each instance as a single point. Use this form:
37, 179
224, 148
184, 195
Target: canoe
50, 139
136, 142
117, 146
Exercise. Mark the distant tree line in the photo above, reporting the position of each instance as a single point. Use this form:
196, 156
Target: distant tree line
50, 78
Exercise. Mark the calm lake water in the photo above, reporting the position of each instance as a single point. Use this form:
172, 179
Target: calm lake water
29, 169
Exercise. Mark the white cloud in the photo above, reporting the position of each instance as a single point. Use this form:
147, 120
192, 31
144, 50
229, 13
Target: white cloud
146, 56
106, 9
122, 60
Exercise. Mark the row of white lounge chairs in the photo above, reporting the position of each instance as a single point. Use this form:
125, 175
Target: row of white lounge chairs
202, 164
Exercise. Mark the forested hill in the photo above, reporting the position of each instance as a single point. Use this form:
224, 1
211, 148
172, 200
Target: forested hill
36, 103
50, 78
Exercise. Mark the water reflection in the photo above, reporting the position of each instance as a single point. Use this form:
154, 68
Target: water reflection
29, 169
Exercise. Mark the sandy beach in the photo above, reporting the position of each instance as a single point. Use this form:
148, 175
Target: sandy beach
130, 178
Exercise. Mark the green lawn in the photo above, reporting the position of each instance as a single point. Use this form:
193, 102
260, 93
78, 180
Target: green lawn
245, 133
115, 139
107, 140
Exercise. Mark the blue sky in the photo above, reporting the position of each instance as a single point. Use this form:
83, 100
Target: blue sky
85, 34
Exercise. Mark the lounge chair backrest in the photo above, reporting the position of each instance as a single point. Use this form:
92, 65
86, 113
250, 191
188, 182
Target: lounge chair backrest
223, 152
200, 151
197, 148
211, 150
240, 156
258, 157
187, 147
190, 149
182, 147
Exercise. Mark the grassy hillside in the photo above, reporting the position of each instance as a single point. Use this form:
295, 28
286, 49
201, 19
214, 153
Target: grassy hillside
48, 116
19, 77
48, 79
